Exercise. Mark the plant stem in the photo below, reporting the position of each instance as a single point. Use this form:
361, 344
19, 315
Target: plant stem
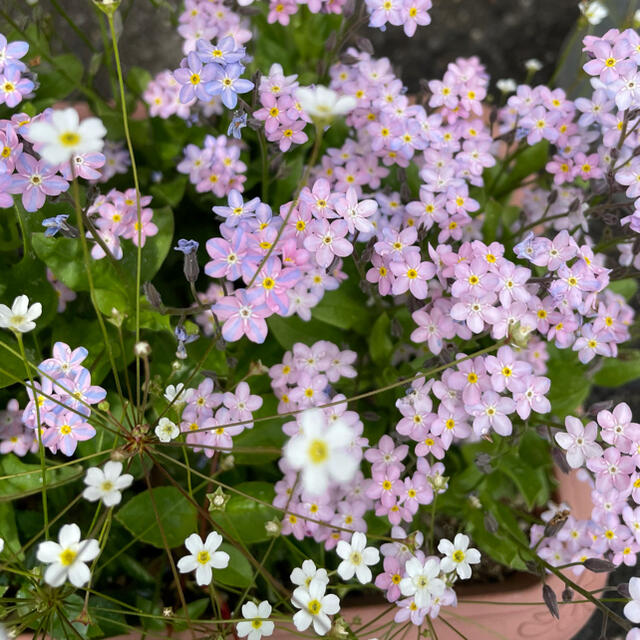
136, 184
43, 469
87, 267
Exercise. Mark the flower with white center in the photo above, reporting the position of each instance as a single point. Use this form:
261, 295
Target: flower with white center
255, 624
315, 607
166, 430
64, 136
632, 608
422, 582
302, 576
323, 104
355, 558
204, 556
458, 556
595, 12
320, 452
20, 318
579, 441
106, 484
67, 558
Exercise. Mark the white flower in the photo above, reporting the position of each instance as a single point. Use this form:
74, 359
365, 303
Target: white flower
533, 65
255, 626
21, 316
67, 559
106, 484
166, 430
302, 576
324, 104
632, 608
65, 136
203, 557
636, 17
320, 452
355, 558
458, 556
506, 85
1, 545
315, 607
595, 12
421, 581
178, 394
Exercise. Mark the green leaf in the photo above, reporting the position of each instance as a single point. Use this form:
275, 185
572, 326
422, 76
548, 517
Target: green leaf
195, 610
620, 370
344, 308
178, 516
534, 449
569, 384
137, 80
491, 220
532, 482
238, 573
9, 533
18, 479
288, 331
625, 287
380, 343
530, 159
58, 80
245, 518
170, 192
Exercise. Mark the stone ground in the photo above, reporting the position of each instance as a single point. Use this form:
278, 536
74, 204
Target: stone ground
502, 33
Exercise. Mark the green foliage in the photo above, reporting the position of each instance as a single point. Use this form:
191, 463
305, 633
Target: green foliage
244, 518
177, 517
19, 479
569, 383
620, 370
238, 573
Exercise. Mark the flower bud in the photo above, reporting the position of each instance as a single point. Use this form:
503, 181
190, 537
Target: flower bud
142, 349
272, 527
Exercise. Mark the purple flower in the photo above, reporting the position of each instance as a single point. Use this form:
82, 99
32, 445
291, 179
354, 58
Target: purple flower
193, 76
10, 53
223, 53
55, 224
227, 83
328, 240
35, 180
187, 246
238, 122
243, 313
13, 87
69, 429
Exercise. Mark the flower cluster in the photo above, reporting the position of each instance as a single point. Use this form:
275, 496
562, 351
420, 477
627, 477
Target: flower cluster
606, 451
283, 260
216, 167
211, 419
15, 79
115, 216
283, 117
213, 70
60, 407
14, 436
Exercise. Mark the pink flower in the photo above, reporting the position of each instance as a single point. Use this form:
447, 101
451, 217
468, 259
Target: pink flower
66, 431
327, 240
412, 275
356, 213
243, 313
491, 413
579, 441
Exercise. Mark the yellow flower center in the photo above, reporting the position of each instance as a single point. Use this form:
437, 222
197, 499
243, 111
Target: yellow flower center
67, 557
69, 139
318, 451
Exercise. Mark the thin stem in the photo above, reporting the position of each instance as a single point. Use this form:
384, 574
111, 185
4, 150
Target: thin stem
79, 32
301, 184
87, 267
43, 469
136, 184
26, 244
